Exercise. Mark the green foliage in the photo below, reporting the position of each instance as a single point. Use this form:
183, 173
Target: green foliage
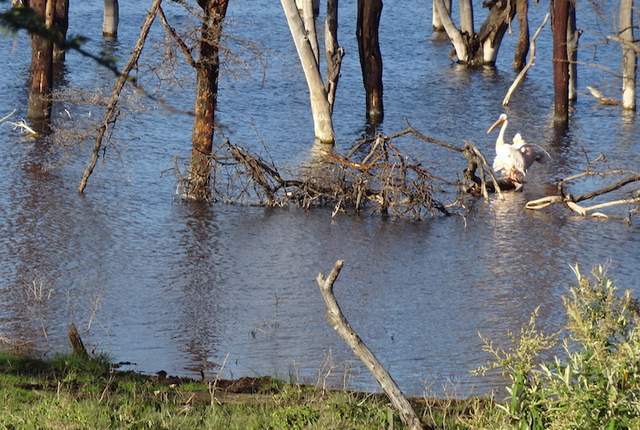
594, 384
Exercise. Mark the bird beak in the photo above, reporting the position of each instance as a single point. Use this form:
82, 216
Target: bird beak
495, 124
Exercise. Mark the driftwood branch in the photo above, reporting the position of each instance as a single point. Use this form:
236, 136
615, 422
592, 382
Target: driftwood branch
597, 94
530, 63
571, 202
111, 112
337, 320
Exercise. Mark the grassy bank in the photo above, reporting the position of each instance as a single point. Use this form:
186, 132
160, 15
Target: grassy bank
593, 383
68, 392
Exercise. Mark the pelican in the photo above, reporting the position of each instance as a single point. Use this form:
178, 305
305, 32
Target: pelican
513, 160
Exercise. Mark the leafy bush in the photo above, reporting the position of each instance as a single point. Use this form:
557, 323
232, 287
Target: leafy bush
594, 384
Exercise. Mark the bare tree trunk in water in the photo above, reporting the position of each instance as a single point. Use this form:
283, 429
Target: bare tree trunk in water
520, 58
369, 12
573, 36
333, 50
62, 25
436, 21
206, 97
111, 18
41, 64
320, 108
466, 16
479, 48
629, 60
560, 65
315, 4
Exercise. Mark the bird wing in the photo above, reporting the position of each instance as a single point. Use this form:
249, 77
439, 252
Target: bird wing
518, 141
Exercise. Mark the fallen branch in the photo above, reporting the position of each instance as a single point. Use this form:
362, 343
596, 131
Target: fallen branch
110, 114
530, 63
337, 320
7, 116
597, 94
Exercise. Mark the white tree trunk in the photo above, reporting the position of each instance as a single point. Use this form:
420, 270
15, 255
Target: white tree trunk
452, 32
436, 22
309, 20
628, 55
316, 6
111, 18
320, 109
466, 16
573, 36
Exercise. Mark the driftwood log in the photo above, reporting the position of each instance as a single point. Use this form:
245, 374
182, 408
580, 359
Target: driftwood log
337, 320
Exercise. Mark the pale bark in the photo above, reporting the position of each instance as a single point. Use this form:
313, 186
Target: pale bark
573, 36
320, 109
530, 63
309, 20
466, 16
111, 18
452, 32
629, 61
334, 51
315, 4
110, 113
436, 21
339, 323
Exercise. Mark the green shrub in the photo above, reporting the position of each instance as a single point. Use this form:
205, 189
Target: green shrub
594, 384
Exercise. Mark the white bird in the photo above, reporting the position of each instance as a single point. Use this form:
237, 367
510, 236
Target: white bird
514, 160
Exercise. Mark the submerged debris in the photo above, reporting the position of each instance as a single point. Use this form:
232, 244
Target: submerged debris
374, 176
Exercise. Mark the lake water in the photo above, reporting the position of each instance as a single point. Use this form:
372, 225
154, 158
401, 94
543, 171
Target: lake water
181, 287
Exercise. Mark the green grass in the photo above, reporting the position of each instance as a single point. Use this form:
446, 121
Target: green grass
68, 392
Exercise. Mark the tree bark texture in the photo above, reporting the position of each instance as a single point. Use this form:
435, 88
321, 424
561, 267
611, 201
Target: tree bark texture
41, 64
62, 25
369, 12
309, 20
520, 58
111, 18
629, 60
206, 97
559, 22
436, 21
466, 16
339, 323
334, 52
320, 109
573, 36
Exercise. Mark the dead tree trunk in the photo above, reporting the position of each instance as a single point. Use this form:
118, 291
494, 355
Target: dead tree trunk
339, 323
629, 60
320, 107
436, 21
466, 16
369, 12
333, 50
111, 18
41, 64
206, 97
572, 51
62, 25
520, 58
479, 48
560, 64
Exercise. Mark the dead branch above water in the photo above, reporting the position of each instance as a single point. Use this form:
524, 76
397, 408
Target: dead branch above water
375, 175
339, 323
